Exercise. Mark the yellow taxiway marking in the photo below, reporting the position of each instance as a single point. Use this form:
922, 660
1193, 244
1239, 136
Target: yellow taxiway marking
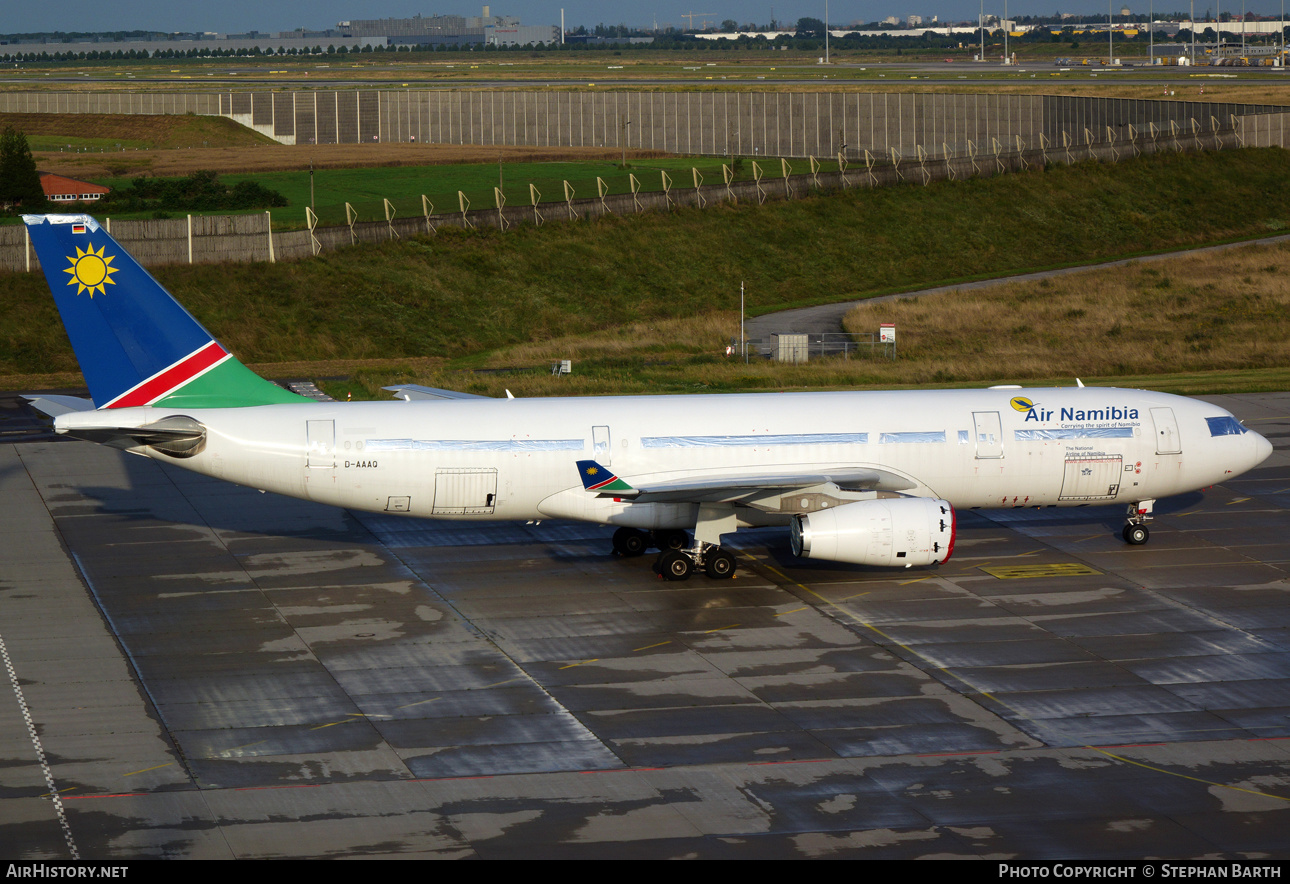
794, 611
146, 769
353, 716
1185, 777
719, 628
655, 645
581, 663
418, 703
331, 724
507, 681
1057, 569
1238, 500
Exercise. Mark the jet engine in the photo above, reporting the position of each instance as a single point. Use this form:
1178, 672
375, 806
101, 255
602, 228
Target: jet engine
888, 532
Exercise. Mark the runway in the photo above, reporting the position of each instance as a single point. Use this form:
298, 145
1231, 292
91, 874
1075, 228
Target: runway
211, 672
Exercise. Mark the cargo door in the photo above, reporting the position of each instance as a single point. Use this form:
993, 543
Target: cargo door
1167, 438
1092, 478
464, 492
989, 435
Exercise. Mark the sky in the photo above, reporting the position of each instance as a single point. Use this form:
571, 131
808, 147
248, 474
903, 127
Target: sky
281, 15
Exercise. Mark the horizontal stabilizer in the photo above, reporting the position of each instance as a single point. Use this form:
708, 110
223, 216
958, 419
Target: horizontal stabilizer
53, 406
411, 392
177, 435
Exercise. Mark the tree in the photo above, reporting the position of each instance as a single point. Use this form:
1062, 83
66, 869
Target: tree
810, 27
19, 180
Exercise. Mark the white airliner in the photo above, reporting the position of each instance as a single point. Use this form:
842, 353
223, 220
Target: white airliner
869, 478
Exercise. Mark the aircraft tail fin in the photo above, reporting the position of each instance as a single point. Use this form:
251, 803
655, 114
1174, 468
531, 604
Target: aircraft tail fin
135, 344
600, 479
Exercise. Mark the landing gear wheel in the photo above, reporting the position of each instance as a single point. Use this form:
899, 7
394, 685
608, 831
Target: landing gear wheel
671, 539
720, 565
628, 542
1136, 535
674, 565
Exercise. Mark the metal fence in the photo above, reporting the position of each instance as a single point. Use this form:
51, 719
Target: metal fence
232, 238
717, 123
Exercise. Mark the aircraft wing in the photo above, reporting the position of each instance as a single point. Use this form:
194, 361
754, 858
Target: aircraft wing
409, 392
717, 486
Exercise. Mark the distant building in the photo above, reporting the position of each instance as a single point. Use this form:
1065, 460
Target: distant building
68, 190
450, 30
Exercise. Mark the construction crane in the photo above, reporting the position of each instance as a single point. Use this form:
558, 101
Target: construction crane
691, 16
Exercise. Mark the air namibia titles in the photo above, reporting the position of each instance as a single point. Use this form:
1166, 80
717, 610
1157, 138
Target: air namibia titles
1114, 413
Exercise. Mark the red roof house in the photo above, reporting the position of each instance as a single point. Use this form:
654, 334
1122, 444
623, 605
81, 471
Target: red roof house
67, 190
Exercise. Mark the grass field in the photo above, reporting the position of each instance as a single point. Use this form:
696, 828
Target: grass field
365, 189
461, 301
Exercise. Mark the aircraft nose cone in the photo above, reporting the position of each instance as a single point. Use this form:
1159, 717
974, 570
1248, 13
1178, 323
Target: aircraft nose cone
1262, 448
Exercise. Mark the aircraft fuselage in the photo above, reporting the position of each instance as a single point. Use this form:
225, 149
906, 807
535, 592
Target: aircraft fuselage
514, 459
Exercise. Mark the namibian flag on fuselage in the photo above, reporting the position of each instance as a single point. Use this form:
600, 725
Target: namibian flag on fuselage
135, 344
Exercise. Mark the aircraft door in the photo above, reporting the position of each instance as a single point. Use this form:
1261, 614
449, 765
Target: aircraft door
601, 450
1167, 438
1091, 477
322, 444
464, 492
989, 434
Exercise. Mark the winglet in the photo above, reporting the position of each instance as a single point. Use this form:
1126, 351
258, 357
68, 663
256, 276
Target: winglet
601, 479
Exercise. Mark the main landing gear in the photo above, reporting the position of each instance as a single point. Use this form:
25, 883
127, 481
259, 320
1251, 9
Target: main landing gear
678, 559
1135, 531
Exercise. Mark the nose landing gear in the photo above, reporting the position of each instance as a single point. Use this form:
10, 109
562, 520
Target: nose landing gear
1135, 531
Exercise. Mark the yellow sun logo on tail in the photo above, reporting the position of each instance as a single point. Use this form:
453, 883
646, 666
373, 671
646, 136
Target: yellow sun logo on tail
91, 270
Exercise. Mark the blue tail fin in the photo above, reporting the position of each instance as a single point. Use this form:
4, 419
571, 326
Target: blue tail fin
135, 344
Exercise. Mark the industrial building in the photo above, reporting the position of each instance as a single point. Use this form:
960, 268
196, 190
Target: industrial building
436, 31
450, 30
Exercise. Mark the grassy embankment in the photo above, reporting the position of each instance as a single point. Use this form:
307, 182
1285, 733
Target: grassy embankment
366, 189
646, 304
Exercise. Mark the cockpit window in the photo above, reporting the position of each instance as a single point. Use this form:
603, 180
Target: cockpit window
1225, 426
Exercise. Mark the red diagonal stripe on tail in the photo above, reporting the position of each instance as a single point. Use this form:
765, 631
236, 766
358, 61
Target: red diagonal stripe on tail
171, 378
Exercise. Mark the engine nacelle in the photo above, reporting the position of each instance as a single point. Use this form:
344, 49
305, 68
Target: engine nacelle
890, 532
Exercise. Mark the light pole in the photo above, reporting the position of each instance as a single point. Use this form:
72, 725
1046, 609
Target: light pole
826, 31
1193, 32
1005, 31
